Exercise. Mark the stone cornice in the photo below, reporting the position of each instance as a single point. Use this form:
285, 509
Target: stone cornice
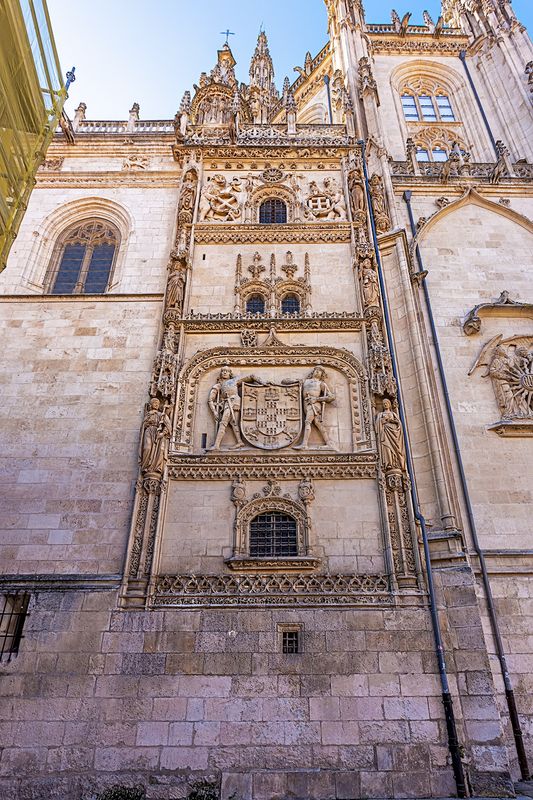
254, 466
387, 43
81, 298
211, 323
148, 179
216, 233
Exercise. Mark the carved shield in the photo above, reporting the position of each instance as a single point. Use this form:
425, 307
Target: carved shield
271, 416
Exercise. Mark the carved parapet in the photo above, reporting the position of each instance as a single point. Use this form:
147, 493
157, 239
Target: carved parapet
282, 590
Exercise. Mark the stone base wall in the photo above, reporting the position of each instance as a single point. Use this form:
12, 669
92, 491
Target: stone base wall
98, 697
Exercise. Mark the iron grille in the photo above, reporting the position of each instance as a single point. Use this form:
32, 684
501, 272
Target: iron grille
273, 212
290, 304
255, 304
13, 612
273, 534
290, 642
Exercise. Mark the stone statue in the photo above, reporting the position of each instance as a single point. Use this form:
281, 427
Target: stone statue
188, 197
377, 194
225, 404
316, 393
370, 282
175, 287
155, 435
356, 186
390, 439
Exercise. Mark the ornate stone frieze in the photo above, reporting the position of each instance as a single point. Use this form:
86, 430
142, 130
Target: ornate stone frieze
281, 590
272, 234
211, 150
509, 365
230, 466
502, 307
418, 45
235, 323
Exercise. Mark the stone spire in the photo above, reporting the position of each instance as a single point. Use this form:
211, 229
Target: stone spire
263, 94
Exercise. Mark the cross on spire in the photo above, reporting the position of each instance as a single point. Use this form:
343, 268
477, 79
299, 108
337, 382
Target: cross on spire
227, 34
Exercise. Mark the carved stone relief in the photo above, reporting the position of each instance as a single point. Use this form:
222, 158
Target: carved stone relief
155, 437
221, 201
509, 365
271, 353
325, 202
267, 415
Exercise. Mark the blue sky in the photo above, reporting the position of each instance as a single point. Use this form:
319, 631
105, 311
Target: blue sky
150, 51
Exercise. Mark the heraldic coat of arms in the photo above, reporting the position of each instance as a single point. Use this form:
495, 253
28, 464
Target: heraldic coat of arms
271, 415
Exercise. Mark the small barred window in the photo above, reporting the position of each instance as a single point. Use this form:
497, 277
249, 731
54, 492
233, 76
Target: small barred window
290, 642
273, 535
84, 259
273, 212
13, 612
290, 304
255, 304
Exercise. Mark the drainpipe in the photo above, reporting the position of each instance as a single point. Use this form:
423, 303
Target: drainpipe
509, 691
462, 56
447, 702
328, 92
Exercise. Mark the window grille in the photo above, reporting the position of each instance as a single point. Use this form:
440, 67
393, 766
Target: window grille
85, 258
13, 612
290, 304
273, 534
255, 304
290, 642
273, 212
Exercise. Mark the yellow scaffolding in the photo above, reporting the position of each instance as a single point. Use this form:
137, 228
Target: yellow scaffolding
32, 94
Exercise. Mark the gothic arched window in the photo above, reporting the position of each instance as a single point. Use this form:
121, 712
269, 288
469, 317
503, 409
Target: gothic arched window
290, 304
255, 304
84, 258
273, 534
273, 211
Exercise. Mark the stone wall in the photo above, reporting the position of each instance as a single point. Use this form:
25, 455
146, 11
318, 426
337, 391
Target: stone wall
98, 697
74, 382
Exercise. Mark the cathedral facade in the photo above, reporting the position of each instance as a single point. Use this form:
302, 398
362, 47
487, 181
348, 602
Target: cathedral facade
267, 419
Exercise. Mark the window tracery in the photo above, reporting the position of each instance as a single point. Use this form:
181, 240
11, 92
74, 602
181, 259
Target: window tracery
266, 292
83, 259
426, 100
435, 143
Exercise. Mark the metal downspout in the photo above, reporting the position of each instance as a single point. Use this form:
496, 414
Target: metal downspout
509, 691
462, 56
453, 742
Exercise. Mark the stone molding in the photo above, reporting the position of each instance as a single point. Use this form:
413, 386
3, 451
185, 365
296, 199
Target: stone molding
234, 323
256, 466
271, 234
417, 45
81, 298
502, 307
156, 179
280, 590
